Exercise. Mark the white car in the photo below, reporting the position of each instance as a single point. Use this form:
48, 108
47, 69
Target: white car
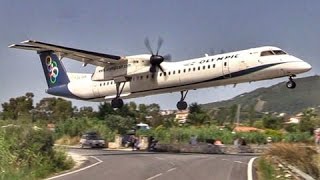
92, 140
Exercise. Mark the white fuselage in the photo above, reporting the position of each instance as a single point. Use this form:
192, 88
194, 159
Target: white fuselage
223, 69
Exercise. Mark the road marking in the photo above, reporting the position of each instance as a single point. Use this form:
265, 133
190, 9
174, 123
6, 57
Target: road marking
172, 169
249, 170
238, 162
159, 158
78, 170
154, 176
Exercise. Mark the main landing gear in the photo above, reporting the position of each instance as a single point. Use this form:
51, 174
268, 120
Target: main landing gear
182, 105
291, 84
117, 102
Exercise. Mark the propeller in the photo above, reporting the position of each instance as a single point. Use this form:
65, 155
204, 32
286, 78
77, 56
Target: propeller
156, 59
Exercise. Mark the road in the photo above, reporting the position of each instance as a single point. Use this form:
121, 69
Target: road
128, 165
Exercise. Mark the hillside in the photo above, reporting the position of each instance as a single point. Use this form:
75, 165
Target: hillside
278, 98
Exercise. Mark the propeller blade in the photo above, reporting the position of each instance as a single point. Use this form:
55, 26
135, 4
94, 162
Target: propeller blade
160, 67
167, 57
160, 41
153, 69
147, 44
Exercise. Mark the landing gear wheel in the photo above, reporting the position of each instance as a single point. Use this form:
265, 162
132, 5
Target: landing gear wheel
291, 84
117, 103
182, 105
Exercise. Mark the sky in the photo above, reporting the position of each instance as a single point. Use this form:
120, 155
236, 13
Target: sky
189, 28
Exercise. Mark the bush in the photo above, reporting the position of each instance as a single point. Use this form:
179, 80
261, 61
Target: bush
26, 153
298, 137
76, 127
297, 155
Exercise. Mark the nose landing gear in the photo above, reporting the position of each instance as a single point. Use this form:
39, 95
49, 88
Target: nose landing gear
291, 84
182, 105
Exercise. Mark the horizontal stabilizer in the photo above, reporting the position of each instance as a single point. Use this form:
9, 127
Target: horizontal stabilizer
26, 47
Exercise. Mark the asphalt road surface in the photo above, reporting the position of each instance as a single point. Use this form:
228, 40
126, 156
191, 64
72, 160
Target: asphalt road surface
128, 165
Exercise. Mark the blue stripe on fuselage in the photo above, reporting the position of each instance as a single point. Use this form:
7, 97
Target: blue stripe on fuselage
62, 91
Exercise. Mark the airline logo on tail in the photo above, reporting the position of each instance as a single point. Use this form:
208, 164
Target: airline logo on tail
53, 69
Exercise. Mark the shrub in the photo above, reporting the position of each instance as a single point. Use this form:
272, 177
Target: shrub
297, 155
26, 153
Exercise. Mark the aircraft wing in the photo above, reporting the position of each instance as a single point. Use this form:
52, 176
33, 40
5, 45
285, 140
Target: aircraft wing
84, 56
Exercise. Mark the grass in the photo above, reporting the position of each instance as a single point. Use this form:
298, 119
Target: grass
266, 171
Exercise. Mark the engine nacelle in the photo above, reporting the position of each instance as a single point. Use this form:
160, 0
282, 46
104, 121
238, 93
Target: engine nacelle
137, 64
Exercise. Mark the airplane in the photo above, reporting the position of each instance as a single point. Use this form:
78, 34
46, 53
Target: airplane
123, 77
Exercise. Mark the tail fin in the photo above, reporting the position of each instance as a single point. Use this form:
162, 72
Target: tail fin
53, 68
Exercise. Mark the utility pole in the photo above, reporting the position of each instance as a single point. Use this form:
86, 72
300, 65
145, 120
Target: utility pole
238, 115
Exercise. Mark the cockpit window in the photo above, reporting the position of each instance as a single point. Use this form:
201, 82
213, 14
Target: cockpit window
279, 52
266, 53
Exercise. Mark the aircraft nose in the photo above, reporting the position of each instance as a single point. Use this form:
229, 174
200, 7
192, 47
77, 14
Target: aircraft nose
305, 66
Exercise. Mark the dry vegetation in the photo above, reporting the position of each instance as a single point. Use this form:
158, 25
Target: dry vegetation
299, 155
68, 140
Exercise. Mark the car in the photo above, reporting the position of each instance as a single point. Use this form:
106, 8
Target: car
92, 139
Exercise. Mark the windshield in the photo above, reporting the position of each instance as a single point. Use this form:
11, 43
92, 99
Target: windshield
266, 53
274, 52
279, 52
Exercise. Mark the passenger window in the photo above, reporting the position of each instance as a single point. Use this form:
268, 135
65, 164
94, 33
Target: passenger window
199, 68
160, 74
208, 66
266, 53
214, 65
147, 76
189, 69
225, 63
169, 73
178, 71
204, 67
184, 70
173, 72
164, 73
152, 76
194, 69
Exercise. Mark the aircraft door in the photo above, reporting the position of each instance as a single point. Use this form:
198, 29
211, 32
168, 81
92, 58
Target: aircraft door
226, 68
95, 89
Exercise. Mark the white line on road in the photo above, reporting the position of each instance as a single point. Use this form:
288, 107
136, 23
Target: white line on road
159, 158
172, 169
238, 162
82, 169
249, 170
154, 176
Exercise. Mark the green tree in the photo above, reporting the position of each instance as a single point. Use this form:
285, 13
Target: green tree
307, 121
104, 110
195, 108
54, 109
19, 106
86, 111
119, 123
272, 122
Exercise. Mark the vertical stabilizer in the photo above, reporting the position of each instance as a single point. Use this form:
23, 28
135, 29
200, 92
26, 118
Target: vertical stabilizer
54, 70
